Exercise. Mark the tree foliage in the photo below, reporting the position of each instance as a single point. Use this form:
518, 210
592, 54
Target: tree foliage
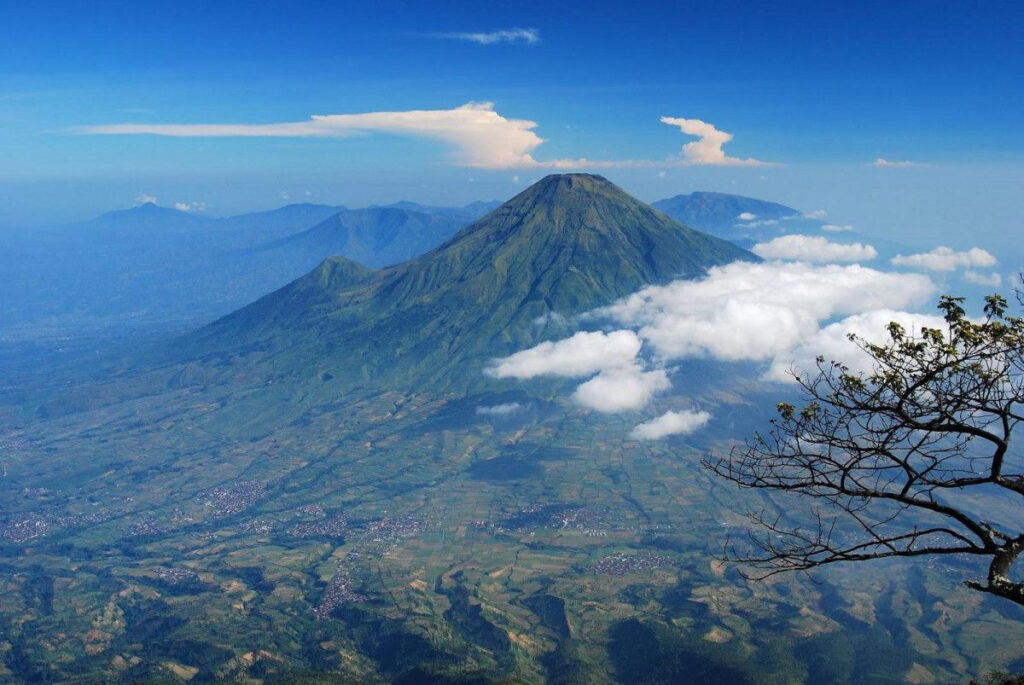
913, 458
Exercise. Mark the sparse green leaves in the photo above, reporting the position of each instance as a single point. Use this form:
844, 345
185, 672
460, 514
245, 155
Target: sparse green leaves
905, 454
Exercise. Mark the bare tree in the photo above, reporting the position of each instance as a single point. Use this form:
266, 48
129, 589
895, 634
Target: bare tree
911, 459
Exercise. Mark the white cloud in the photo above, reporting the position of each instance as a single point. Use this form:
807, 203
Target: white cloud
832, 342
583, 354
190, 206
708, 149
993, 279
499, 409
529, 36
813, 249
746, 216
882, 162
758, 311
772, 312
481, 137
945, 258
836, 228
621, 389
671, 423
759, 224
144, 198
816, 214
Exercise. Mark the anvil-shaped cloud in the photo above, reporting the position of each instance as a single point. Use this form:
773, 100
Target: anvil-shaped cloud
481, 136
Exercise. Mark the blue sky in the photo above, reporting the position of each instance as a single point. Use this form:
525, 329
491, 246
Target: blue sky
819, 90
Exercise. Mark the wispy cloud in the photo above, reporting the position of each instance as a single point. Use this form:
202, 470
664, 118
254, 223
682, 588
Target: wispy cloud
481, 136
945, 258
814, 249
993, 279
816, 214
708, 149
515, 35
883, 162
499, 409
146, 198
190, 206
837, 228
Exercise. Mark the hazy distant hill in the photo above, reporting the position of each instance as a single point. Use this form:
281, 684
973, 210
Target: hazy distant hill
155, 266
376, 236
724, 215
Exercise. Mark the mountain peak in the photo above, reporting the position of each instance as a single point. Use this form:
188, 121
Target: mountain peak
555, 185
566, 245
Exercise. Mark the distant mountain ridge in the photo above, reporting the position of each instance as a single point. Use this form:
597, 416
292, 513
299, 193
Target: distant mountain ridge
152, 265
742, 220
380, 236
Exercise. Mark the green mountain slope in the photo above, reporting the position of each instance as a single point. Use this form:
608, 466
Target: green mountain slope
566, 245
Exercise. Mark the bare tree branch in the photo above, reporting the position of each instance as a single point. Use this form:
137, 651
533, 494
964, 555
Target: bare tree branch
896, 456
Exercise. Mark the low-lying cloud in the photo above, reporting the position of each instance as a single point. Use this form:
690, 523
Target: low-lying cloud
621, 389
584, 354
744, 311
814, 249
505, 409
832, 342
671, 423
945, 258
773, 312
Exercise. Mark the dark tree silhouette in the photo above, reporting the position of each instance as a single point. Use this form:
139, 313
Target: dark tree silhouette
911, 459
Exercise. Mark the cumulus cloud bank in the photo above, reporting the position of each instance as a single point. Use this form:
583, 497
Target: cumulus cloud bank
708, 149
945, 258
771, 312
671, 423
744, 311
832, 341
814, 249
481, 136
